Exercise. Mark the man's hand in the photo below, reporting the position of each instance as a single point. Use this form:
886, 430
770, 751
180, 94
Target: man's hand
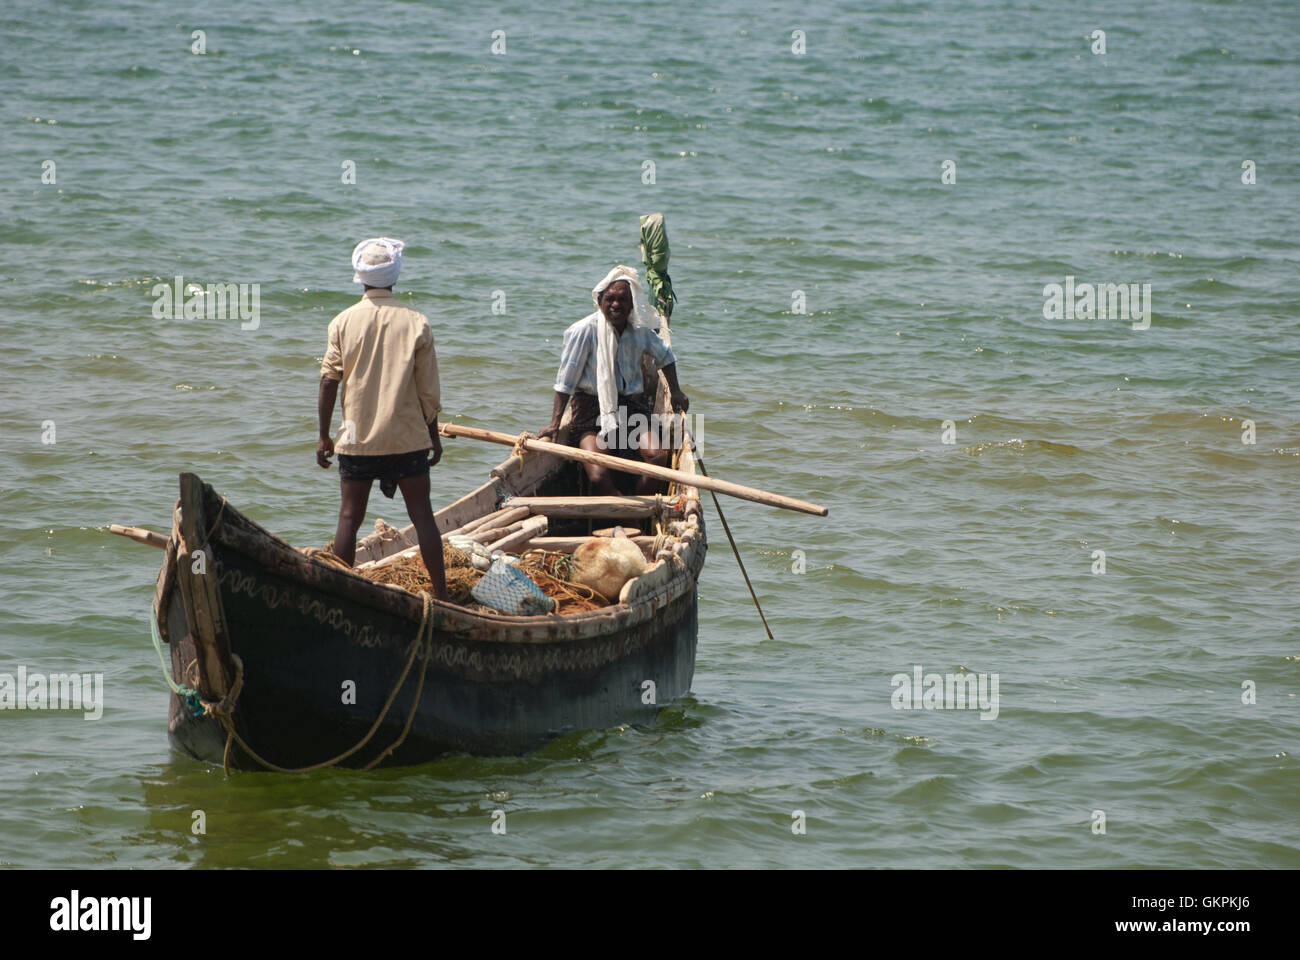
324, 450
681, 403
552, 429
436, 440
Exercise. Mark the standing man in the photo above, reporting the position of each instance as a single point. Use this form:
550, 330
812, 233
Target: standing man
381, 357
600, 369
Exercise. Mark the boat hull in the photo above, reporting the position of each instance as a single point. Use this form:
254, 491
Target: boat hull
317, 672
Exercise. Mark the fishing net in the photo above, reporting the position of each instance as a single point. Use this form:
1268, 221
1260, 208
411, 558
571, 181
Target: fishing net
552, 572
547, 569
409, 573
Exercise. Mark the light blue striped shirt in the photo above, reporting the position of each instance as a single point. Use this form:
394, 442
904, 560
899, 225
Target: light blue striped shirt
578, 358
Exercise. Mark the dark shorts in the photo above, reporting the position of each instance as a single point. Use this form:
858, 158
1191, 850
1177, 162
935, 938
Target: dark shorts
386, 468
586, 414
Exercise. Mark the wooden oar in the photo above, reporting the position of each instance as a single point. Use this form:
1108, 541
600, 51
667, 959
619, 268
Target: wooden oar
139, 535
637, 467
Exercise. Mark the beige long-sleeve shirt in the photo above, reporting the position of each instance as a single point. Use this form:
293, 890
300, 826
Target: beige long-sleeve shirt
381, 352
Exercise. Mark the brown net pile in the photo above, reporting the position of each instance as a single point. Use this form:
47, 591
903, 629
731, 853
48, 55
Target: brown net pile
409, 574
549, 570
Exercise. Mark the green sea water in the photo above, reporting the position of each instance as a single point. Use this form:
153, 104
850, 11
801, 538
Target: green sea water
839, 303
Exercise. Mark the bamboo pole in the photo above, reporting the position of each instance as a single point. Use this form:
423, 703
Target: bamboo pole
139, 535
486, 537
533, 527
385, 561
638, 467
571, 544
504, 516
613, 508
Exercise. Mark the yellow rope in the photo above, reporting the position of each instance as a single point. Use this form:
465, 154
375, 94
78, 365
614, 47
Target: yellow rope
224, 709
519, 449
325, 556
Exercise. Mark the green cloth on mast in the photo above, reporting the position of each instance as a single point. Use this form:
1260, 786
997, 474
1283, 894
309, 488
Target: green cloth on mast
654, 254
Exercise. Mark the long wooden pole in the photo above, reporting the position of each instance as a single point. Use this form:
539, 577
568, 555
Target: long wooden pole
139, 535
637, 467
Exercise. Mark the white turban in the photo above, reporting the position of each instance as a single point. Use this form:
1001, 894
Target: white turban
377, 262
607, 342
640, 316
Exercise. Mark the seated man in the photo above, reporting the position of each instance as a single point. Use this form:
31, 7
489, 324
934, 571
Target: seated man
600, 368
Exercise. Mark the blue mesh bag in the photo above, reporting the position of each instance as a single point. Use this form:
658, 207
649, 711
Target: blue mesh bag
508, 589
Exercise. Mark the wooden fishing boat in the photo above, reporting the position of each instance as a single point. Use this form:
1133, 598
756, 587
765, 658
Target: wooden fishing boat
281, 659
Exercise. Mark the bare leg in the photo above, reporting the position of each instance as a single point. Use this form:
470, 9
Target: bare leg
651, 452
356, 494
415, 491
602, 484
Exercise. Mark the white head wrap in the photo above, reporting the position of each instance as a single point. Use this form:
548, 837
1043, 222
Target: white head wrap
377, 262
607, 342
